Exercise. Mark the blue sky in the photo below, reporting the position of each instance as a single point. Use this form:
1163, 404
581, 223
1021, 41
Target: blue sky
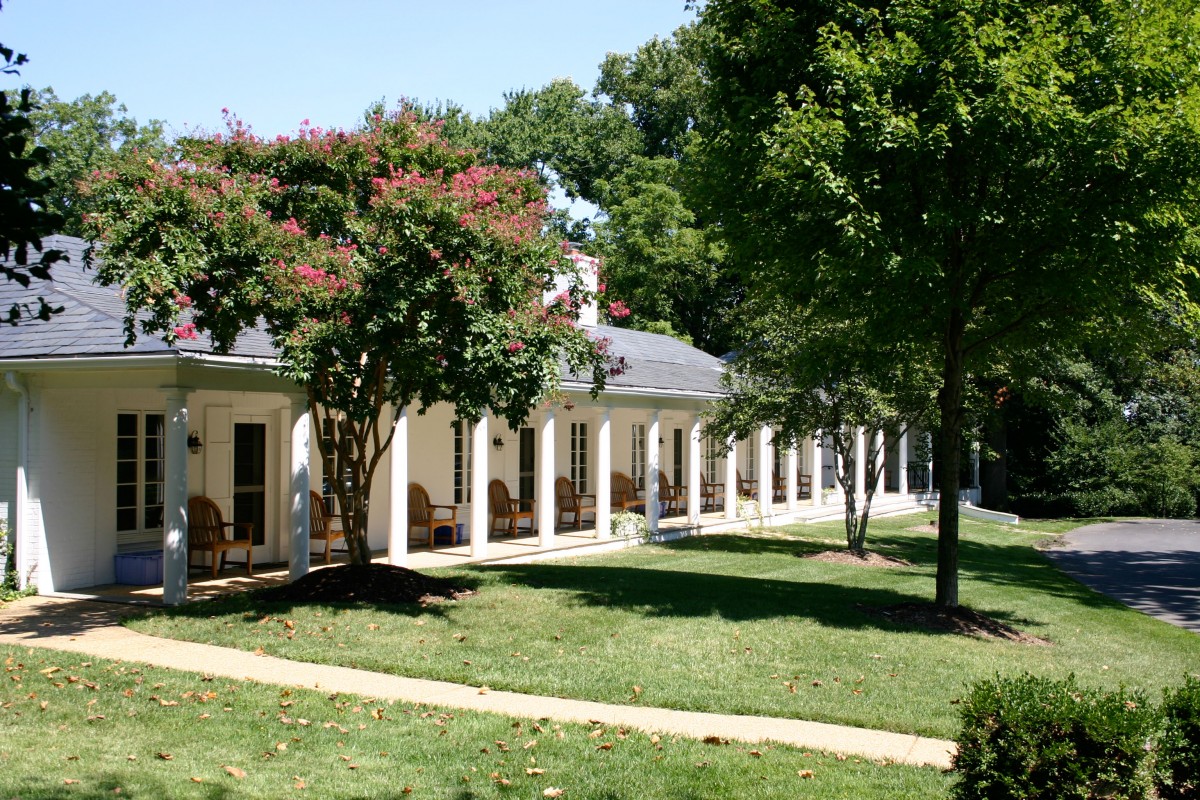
277, 62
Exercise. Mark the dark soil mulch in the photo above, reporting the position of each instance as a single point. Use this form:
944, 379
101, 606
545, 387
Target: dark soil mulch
962, 621
859, 558
371, 583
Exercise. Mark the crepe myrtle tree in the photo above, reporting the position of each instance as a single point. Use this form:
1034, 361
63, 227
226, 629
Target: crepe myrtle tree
387, 266
805, 377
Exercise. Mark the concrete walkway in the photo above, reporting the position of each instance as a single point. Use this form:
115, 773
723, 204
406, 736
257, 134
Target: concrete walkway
95, 629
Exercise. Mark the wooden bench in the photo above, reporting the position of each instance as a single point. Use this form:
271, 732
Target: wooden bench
625, 493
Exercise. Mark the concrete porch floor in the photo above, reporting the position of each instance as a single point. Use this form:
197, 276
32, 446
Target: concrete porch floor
567, 542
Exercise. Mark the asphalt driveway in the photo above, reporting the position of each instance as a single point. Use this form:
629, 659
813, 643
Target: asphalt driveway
1152, 565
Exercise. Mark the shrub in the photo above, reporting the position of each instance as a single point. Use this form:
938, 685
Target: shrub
1040, 739
1177, 771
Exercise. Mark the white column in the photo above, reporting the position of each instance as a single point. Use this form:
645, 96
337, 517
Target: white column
731, 486
693, 480
604, 475
545, 482
653, 464
23, 541
175, 487
902, 463
860, 463
479, 487
879, 445
766, 469
298, 550
398, 491
818, 468
793, 466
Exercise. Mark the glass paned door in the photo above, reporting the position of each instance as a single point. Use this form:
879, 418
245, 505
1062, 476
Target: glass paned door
250, 477
526, 458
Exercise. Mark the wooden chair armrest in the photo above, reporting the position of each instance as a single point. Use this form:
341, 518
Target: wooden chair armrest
248, 527
582, 497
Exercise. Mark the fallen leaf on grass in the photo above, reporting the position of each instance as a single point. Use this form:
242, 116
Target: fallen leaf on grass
234, 771
70, 781
551, 791
715, 740
805, 773
534, 771
165, 756
604, 746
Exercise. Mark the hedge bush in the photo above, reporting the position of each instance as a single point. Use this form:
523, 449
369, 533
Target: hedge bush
1041, 739
1177, 768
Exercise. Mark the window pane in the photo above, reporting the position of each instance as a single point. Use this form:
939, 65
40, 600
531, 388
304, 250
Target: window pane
126, 472
127, 496
154, 471
154, 494
153, 449
154, 517
127, 424
127, 519
126, 449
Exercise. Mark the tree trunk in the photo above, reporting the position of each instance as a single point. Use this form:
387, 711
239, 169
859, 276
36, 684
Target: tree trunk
950, 445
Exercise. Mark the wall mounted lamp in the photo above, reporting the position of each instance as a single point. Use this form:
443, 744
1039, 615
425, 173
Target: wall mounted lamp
498, 442
194, 443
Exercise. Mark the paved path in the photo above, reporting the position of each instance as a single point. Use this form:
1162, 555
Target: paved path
1152, 565
95, 629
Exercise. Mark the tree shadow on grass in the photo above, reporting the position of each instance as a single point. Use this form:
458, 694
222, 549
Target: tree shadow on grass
671, 593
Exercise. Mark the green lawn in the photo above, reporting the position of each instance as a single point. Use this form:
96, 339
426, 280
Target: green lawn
99, 729
731, 623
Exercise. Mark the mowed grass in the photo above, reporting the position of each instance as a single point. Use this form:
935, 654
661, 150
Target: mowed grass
734, 624
72, 728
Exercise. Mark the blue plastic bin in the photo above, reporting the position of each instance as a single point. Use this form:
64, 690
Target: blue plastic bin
139, 569
442, 534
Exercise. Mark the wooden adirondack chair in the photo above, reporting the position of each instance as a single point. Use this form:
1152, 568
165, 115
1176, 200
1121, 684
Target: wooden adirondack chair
507, 509
625, 493
206, 534
709, 492
571, 502
320, 524
423, 514
749, 488
671, 495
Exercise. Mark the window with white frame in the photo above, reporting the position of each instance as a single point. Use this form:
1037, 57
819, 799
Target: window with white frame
751, 453
712, 455
637, 458
333, 457
462, 460
141, 471
580, 472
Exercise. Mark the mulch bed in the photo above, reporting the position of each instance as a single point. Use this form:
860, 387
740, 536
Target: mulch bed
962, 621
864, 558
370, 583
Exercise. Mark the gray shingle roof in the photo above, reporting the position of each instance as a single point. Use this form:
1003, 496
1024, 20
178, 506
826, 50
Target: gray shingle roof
91, 325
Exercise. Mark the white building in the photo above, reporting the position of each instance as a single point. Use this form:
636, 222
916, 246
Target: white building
95, 459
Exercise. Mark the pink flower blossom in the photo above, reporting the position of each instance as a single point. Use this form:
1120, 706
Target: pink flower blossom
247, 212
292, 227
186, 331
516, 347
383, 251
618, 310
601, 287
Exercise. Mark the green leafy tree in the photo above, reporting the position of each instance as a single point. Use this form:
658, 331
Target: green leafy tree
804, 379
85, 135
975, 178
24, 216
388, 268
